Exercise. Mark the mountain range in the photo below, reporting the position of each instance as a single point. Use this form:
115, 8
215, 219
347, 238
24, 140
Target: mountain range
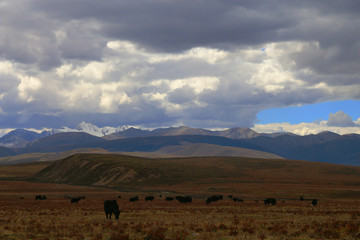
185, 141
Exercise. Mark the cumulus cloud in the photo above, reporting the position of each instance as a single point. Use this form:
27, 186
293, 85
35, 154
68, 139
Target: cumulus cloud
200, 63
340, 119
339, 122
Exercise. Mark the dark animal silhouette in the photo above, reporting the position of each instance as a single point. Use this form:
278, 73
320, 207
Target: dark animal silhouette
119, 197
40, 197
134, 199
149, 198
314, 202
270, 201
169, 199
111, 207
214, 198
76, 199
184, 199
302, 198
235, 199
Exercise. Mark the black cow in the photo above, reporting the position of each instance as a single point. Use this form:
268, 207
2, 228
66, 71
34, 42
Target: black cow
110, 207
40, 197
169, 199
119, 197
235, 199
214, 198
184, 199
76, 199
314, 202
134, 199
149, 198
270, 201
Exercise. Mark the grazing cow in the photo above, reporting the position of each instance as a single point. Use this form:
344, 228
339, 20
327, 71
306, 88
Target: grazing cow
184, 199
169, 199
76, 199
235, 199
214, 198
110, 207
314, 202
134, 199
40, 197
270, 201
149, 198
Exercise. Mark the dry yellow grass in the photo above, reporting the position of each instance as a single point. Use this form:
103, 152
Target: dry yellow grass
57, 218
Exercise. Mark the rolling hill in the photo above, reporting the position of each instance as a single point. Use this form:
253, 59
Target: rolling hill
204, 149
203, 174
151, 144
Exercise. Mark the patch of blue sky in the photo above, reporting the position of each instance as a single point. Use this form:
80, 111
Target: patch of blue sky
309, 113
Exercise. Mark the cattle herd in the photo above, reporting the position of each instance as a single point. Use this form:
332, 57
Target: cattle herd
112, 207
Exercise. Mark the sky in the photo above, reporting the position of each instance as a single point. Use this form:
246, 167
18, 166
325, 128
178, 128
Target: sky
271, 65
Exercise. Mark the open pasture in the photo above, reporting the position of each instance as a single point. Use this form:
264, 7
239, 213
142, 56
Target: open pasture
23, 217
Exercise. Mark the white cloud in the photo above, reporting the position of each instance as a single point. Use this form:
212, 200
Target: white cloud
305, 128
6, 67
27, 88
210, 55
93, 71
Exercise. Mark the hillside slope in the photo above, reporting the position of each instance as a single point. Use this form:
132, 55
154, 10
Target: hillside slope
204, 149
203, 173
151, 144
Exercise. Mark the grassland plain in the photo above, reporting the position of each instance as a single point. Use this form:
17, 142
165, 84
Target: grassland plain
337, 215
57, 218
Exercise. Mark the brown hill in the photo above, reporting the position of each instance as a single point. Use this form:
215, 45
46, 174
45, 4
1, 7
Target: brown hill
279, 177
204, 149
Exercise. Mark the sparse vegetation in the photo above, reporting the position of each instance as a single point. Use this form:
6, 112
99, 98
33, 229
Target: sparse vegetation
160, 219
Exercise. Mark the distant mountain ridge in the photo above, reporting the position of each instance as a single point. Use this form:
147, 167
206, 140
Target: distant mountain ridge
19, 138
186, 141
232, 133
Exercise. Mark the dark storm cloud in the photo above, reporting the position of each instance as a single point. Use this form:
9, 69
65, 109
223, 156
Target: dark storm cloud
174, 26
137, 59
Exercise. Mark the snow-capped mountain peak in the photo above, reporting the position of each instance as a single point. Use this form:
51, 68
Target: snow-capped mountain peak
97, 131
91, 129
